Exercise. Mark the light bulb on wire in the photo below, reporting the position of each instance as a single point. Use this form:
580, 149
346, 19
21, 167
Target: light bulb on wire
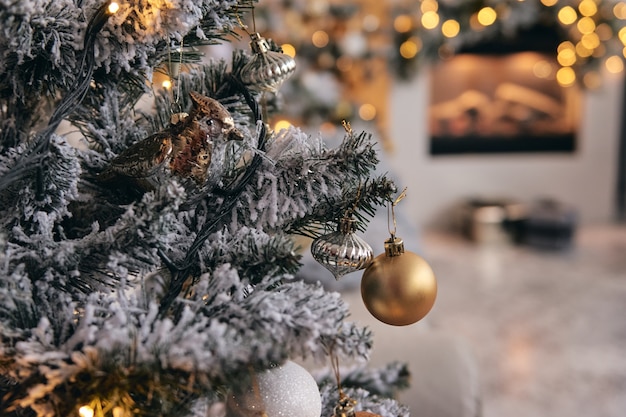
113, 7
85, 411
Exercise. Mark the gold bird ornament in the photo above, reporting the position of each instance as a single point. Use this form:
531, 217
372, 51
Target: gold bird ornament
185, 147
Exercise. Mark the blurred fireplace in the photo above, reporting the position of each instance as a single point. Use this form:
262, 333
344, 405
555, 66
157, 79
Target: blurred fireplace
501, 102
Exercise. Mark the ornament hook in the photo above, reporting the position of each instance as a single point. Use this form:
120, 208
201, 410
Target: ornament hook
173, 71
393, 213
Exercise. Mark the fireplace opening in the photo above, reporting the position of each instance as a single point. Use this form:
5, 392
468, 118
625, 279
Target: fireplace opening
501, 97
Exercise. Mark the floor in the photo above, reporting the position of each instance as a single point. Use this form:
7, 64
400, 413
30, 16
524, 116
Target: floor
547, 329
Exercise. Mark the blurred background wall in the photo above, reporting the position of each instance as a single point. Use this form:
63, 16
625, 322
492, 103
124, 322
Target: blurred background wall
585, 179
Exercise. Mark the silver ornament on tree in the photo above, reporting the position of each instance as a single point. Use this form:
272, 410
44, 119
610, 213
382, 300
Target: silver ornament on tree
342, 251
267, 69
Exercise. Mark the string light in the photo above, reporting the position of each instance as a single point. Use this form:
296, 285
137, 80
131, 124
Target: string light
410, 47
430, 19
85, 411
450, 28
289, 49
113, 7
622, 35
567, 15
591, 29
614, 64
429, 6
590, 41
582, 51
566, 76
566, 57
281, 124
619, 10
367, 112
119, 412
586, 25
487, 16
403, 23
320, 38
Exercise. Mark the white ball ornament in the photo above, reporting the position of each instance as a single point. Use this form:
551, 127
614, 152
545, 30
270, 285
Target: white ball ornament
286, 390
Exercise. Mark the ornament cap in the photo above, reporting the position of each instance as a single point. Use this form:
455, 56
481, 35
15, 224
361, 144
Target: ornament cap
258, 44
394, 246
346, 225
345, 407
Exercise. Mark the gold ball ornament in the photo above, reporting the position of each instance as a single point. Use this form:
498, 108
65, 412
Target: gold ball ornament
398, 288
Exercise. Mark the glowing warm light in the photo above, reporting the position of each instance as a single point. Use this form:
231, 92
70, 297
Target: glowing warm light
402, 23
614, 64
566, 76
619, 10
118, 412
582, 51
622, 35
590, 41
566, 57
567, 15
288, 49
549, 3
85, 411
167, 84
429, 6
592, 80
430, 20
113, 7
450, 28
367, 112
565, 45
587, 8
320, 39
410, 48
542, 69
487, 16
281, 124
624, 52
586, 25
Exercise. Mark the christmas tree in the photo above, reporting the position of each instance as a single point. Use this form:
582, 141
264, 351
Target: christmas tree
148, 269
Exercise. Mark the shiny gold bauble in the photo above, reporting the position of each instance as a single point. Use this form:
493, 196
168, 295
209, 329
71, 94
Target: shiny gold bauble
398, 288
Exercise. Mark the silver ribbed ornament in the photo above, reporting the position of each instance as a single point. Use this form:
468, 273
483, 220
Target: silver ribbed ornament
342, 252
267, 69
